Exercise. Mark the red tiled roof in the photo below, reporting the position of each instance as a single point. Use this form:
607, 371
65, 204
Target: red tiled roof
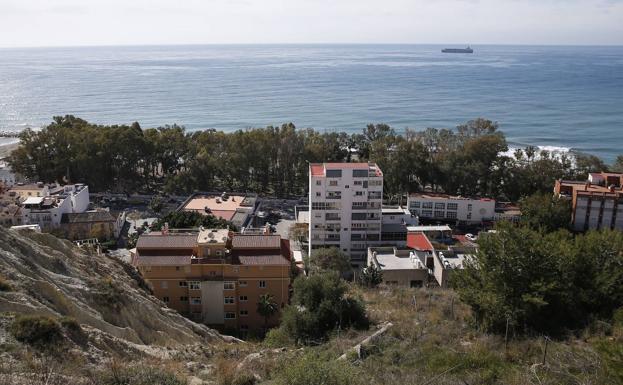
242, 241
419, 241
160, 260
264, 260
317, 169
173, 241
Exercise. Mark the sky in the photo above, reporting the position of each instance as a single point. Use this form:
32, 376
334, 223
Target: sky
27, 23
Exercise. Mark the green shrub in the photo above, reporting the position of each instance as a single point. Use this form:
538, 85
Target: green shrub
4, 285
140, 375
36, 330
108, 292
276, 338
313, 369
70, 323
319, 306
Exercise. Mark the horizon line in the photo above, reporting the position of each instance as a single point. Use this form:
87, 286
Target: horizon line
307, 44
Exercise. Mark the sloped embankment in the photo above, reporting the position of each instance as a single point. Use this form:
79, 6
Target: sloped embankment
49, 276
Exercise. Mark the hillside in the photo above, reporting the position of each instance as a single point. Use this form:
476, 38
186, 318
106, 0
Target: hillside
126, 337
118, 319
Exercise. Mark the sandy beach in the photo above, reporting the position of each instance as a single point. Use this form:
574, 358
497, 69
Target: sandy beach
7, 148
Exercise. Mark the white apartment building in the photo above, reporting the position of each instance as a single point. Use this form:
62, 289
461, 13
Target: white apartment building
451, 208
47, 210
345, 202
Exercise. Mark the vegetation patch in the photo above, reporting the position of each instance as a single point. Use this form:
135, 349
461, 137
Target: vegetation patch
36, 330
5, 285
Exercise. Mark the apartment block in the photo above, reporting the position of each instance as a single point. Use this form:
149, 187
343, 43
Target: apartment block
443, 207
596, 203
216, 277
345, 201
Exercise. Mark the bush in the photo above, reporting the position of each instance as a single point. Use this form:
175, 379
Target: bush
277, 338
141, 375
4, 285
36, 330
313, 369
319, 306
108, 292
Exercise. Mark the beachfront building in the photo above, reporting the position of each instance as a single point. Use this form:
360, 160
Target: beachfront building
236, 208
449, 208
216, 277
596, 203
345, 202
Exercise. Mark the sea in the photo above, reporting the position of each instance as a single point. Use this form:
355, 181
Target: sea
556, 97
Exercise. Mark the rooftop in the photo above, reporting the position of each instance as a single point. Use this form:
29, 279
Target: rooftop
213, 236
440, 196
224, 206
393, 259
275, 260
160, 260
244, 241
87, 217
318, 169
419, 241
157, 240
452, 260
428, 228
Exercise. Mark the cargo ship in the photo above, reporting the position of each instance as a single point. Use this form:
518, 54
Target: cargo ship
458, 50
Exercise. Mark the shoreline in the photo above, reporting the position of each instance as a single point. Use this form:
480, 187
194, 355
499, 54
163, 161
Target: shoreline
7, 148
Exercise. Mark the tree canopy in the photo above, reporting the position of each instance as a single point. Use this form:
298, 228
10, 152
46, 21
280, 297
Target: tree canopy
469, 160
544, 282
191, 219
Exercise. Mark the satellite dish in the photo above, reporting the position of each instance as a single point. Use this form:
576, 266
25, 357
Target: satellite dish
211, 235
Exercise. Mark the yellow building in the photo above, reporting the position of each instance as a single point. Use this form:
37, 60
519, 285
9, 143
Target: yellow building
216, 277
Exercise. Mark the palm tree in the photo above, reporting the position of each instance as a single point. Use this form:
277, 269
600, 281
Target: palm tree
266, 307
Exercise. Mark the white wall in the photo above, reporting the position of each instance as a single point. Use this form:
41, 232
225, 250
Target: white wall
468, 210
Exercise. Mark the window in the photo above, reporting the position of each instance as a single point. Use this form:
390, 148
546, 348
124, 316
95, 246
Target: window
229, 285
440, 206
358, 183
469, 215
242, 283
183, 299
243, 298
244, 313
334, 173
415, 205
453, 206
183, 284
194, 285
195, 301
219, 253
360, 173
358, 193
469, 207
318, 194
165, 299
318, 183
230, 315
164, 284
427, 205
263, 284
229, 300
439, 214
427, 213
347, 186
333, 183
451, 214
244, 327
